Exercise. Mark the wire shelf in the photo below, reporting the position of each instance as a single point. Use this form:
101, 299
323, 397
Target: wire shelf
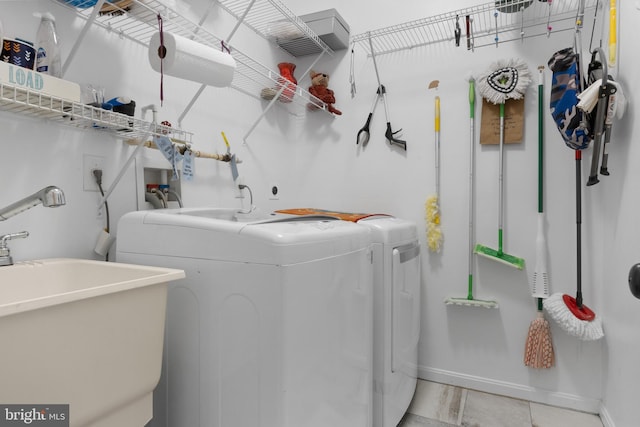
489, 25
36, 104
138, 22
273, 21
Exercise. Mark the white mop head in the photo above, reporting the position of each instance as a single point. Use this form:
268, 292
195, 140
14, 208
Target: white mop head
560, 313
506, 79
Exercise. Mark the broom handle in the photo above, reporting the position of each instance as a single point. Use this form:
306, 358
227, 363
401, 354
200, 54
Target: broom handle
540, 139
579, 228
540, 151
437, 144
472, 111
500, 180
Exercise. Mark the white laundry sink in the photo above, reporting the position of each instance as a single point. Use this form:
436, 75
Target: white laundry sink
84, 333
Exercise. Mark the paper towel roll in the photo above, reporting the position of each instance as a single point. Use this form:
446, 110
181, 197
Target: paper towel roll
190, 60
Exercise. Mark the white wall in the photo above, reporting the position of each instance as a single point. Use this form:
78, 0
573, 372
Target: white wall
315, 161
617, 203
467, 346
475, 347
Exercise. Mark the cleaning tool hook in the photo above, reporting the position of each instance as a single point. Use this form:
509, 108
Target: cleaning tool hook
457, 32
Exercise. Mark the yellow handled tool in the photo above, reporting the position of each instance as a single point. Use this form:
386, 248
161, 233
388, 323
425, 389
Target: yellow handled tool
613, 34
437, 125
432, 206
233, 162
226, 142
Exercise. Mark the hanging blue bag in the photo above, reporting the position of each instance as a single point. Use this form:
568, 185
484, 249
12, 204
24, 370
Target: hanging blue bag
565, 87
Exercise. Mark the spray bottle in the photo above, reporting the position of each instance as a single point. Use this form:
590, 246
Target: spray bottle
48, 50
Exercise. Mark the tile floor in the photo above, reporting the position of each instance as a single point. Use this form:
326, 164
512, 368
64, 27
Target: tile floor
440, 405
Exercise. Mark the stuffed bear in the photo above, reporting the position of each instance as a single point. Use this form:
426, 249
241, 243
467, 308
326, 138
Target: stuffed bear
319, 89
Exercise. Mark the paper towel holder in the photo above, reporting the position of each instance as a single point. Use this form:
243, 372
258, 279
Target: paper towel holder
174, 55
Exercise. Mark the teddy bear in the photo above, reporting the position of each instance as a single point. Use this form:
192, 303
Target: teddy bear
319, 89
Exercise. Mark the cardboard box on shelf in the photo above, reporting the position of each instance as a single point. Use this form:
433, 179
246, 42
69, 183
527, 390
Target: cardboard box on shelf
33, 81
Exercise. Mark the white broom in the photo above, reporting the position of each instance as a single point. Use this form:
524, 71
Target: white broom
538, 352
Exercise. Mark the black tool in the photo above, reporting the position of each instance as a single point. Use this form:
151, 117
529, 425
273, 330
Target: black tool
363, 133
381, 92
602, 124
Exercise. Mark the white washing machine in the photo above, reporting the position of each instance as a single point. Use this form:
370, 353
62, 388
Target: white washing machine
396, 314
272, 326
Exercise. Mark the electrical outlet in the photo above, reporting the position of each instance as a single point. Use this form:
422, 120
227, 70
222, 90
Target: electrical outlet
274, 192
89, 164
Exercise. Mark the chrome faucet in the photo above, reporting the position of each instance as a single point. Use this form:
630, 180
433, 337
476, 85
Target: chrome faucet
50, 197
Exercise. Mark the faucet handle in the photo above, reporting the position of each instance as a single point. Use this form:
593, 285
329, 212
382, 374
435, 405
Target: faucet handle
11, 236
5, 253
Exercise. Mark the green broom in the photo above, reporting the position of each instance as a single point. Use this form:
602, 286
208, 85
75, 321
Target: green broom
469, 300
508, 80
538, 348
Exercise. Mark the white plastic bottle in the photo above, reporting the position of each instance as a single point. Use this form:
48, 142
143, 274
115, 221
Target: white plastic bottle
48, 50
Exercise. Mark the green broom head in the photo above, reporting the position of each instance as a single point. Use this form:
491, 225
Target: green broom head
571, 318
507, 79
499, 256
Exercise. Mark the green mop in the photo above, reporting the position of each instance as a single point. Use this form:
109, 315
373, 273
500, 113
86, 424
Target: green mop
508, 80
469, 300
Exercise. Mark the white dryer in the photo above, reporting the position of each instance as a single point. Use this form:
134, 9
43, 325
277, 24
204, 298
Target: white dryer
272, 326
396, 289
396, 313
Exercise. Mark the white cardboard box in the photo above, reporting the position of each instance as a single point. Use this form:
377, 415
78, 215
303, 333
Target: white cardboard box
24, 78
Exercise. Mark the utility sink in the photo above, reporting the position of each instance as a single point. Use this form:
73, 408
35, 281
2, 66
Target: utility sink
84, 333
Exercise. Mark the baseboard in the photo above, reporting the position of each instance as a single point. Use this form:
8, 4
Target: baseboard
518, 391
606, 417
